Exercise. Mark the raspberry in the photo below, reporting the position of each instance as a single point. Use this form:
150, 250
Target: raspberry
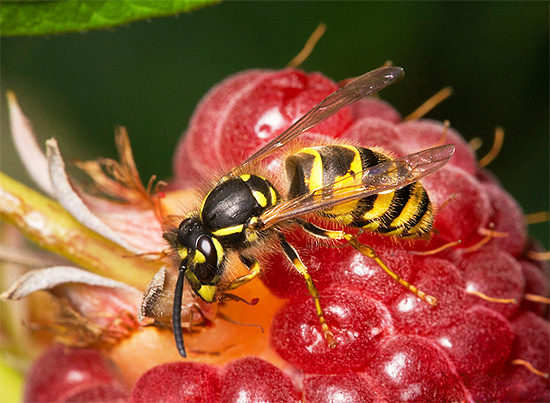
535, 283
378, 131
177, 382
507, 217
390, 342
72, 375
351, 268
374, 108
464, 205
358, 323
441, 279
392, 346
532, 335
494, 273
463, 342
341, 388
255, 380
412, 369
423, 133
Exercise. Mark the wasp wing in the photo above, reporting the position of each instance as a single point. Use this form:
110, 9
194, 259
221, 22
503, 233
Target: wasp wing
385, 177
368, 84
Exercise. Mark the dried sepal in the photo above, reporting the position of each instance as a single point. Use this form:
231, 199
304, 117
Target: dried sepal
114, 181
72, 202
91, 309
158, 300
46, 279
27, 147
149, 305
119, 179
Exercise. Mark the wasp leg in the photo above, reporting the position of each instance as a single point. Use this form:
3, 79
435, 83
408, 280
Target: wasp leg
295, 260
253, 267
368, 252
321, 232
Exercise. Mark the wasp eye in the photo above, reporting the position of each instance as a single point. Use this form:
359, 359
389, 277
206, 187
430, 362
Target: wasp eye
205, 265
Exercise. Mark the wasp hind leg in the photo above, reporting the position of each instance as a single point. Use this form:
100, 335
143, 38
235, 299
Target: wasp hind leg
368, 252
295, 260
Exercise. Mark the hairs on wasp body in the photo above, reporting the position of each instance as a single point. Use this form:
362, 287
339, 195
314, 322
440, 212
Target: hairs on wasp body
353, 186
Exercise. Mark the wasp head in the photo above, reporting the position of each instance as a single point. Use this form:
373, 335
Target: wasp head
201, 257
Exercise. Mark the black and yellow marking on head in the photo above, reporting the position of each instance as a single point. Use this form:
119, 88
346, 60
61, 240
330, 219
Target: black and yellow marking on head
182, 252
206, 291
198, 257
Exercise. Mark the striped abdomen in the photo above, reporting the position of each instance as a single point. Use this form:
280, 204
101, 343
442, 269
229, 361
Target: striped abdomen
406, 212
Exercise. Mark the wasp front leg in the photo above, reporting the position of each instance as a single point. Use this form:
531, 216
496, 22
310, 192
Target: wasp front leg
368, 252
295, 260
254, 269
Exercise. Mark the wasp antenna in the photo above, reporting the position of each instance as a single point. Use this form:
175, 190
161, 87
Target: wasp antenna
176, 314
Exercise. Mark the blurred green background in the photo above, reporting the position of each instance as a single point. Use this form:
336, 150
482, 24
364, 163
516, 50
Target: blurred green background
149, 75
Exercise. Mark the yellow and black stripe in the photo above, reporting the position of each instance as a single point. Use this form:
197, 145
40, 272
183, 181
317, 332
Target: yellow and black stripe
406, 212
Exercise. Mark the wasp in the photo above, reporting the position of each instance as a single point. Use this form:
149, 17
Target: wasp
353, 186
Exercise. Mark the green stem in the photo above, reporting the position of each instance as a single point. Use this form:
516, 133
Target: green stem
48, 224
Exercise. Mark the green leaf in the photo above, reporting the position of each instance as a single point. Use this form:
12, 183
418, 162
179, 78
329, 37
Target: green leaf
53, 17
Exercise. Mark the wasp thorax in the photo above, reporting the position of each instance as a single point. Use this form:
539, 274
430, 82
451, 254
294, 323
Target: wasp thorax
231, 207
